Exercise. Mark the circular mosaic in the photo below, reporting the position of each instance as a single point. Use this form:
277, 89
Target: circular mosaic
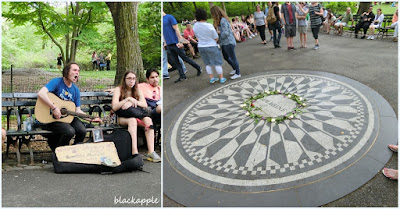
216, 145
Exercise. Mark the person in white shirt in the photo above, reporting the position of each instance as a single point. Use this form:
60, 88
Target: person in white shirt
207, 43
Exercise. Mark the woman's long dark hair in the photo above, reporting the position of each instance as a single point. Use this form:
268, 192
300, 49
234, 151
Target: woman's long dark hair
124, 88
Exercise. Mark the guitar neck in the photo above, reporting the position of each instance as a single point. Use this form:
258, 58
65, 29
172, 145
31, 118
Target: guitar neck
81, 115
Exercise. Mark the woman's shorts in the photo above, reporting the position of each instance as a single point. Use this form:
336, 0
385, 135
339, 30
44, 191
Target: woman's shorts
302, 29
211, 55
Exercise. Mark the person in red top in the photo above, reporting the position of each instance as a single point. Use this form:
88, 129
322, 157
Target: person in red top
188, 34
152, 93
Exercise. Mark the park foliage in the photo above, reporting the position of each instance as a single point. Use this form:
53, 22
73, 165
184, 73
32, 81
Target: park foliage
26, 45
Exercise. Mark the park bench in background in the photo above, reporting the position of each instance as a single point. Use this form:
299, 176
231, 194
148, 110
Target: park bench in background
20, 104
351, 28
385, 29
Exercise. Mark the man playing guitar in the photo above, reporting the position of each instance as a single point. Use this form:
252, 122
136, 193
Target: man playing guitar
65, 88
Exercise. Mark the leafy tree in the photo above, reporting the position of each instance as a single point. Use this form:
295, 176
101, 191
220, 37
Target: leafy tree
61, 22
149, 20
340, 7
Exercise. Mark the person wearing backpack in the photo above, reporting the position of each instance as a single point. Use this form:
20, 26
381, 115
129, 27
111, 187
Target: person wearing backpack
301, 17
274, 22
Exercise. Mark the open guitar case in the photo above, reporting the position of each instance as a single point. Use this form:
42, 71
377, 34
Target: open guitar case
123, 143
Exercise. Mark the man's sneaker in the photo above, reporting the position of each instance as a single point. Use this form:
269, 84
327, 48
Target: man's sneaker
362, 37
369, 37
180, 79
222, 80
199, 71
233, 72
153, 157
316, 47
372, 37
165, 76
213, 80
236, 76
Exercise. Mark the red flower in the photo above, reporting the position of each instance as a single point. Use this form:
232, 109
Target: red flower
252, 104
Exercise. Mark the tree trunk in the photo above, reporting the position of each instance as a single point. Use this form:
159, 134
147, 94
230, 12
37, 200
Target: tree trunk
195, 6
363, 7
263, 7
65, 56
210, 4
129, 55
223, 6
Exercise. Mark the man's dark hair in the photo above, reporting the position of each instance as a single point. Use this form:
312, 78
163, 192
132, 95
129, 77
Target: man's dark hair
66, 69
201, 14
148, 72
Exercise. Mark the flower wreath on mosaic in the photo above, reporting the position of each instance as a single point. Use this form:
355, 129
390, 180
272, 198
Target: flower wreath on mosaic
249, 106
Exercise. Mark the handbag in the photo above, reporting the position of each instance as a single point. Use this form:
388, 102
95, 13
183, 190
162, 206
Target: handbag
133, 112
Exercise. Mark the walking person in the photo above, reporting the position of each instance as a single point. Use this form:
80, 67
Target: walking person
302, 28
59, 62
277, 25
316, 12
289, 21
208, 47
173, 39
108, 60
259, 19
226, 39
94, 61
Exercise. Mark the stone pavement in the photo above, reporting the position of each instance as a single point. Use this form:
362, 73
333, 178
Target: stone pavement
344, 56
39, 186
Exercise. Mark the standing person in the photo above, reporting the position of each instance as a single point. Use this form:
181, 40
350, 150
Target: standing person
173, 39
108, 60
208, 47
101, 61
366, 19
344, 19
277, 25
301, 16
289, 21
94, 61
316, 12
226, 39
59, 61
65, 88
259, 19
394, 25
377, 23
127, 96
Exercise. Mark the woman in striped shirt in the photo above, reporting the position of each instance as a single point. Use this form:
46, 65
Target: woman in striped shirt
315, 12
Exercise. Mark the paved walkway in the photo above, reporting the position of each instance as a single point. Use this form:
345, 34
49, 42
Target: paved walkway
39, 186
344, 56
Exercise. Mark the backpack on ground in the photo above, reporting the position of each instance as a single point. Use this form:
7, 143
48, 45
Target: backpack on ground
271, 18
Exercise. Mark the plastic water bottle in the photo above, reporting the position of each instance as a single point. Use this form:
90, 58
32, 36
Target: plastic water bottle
28, 124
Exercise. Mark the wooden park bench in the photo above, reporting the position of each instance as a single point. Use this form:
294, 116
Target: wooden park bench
20, 104
386, 29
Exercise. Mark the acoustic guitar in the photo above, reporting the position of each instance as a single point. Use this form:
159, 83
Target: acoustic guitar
44, 114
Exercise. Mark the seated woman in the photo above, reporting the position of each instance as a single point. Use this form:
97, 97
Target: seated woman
329, 21
245, 28
125, 102
376, 24
236, 30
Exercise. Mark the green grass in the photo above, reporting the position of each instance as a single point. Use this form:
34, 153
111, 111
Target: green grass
386, 8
